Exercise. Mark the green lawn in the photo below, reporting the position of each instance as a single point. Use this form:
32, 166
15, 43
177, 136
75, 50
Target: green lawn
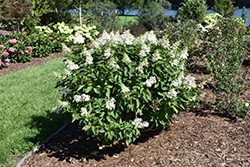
26, 110
126, 20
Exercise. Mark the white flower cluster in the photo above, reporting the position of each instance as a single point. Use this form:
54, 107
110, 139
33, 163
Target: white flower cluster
149, 82
172, 93
81, 98
156, 56
142, 54
125, 89
189, 82
142, 64
175, 62
87, 53
203, 29
65, 49
126, 59
84, 111
127, 38
184, 54
178, 81
112, 63
63, 103
115, 38
139, 123
71, 66
110, 105
105, 38
145, 48
78, 38
107, 52
165, 42
149, 37
65, 91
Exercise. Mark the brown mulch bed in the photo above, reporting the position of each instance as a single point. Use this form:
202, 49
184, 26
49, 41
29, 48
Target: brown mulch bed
198, 137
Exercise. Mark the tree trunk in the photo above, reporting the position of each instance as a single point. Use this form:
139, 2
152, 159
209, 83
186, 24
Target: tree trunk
80, 12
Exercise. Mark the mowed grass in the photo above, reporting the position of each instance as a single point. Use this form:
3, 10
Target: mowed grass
27, 98
126, 20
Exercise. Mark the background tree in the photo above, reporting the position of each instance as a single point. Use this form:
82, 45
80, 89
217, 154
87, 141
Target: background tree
224, 7
192, 9
14, 11
244, 14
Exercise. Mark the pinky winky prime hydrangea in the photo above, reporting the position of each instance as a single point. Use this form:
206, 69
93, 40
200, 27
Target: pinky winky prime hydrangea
122, 86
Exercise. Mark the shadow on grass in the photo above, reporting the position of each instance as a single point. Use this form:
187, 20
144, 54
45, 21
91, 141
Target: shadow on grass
46, 125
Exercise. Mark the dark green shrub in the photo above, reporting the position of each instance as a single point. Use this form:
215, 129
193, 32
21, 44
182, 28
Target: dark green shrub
192, 9
224, 7
227, 50
151, 15
103, 15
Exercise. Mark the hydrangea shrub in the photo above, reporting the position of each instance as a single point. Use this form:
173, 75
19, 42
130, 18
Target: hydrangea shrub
88, 32
122, 86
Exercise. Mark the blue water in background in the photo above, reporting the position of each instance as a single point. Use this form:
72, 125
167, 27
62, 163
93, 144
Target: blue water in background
170, 12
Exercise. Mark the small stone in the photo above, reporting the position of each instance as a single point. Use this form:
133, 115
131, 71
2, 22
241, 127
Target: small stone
94, 152
115, 156
132, 160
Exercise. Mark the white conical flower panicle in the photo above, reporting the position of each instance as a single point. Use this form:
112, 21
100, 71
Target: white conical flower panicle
105, 38
126, 59
165, 42
124, 88
84, 111
175, 62
156, 56
145, 48
149, 82
172, 93
189, 82
107, 52
81, 98
78, 38
65, 49
113, 63
127, 38
142, 54
71, 65
110, 105
141, 65
184, 53
87, 53
151, 38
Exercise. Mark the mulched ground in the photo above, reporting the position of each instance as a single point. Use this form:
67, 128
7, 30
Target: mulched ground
198, 137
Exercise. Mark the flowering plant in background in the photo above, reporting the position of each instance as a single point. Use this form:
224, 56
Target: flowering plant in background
14, 50
122, 86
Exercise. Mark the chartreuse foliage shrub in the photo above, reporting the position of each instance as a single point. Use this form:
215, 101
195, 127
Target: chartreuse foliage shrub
226, 43
88, 32
192, 9
123, 86
211, 19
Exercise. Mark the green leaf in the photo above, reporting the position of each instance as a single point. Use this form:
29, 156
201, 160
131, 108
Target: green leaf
86, 127
97, 91
88, 89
